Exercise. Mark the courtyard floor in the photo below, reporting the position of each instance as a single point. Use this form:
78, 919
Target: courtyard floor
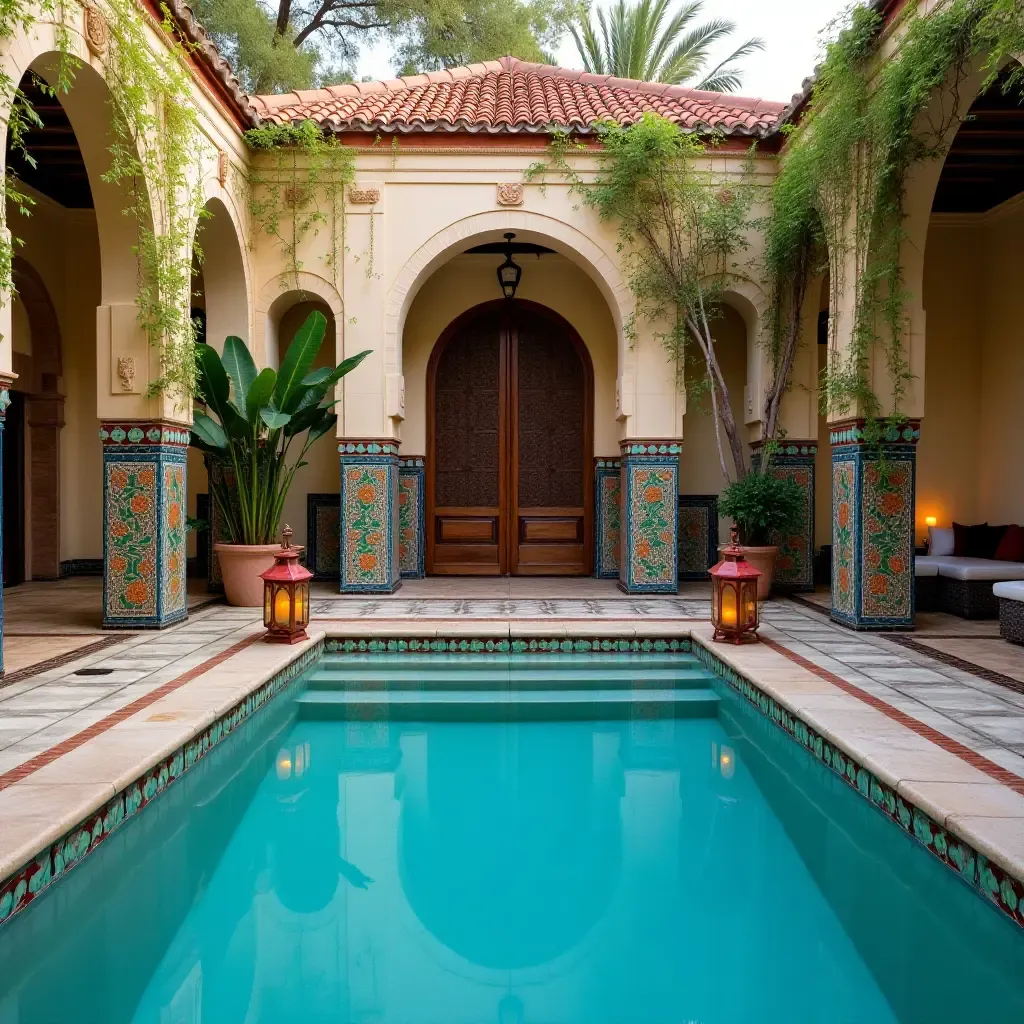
103, 704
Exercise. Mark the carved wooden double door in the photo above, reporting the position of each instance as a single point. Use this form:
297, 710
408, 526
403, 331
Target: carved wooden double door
510, 398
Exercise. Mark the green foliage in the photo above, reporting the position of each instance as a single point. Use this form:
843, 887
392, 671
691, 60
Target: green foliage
842, 183
264, 60
635, 41
154, 154
299, 187
681, 233
258, 417
761, 504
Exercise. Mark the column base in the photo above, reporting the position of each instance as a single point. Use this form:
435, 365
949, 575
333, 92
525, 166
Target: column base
873, 493
144, 502
368, 541
649, 483
794, 565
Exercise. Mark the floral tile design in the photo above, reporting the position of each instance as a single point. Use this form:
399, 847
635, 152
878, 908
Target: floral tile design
844, 483
608, 510
369, 540
173, 539
887, 538
794, 565
650, 553
32, 879
505, 645
131, 531
411, 517
698, 535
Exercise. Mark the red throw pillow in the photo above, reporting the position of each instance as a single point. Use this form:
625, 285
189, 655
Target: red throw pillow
1011, 547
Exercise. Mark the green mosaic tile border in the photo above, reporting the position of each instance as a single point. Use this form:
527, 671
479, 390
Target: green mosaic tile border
18, 890
991, 882
505, 645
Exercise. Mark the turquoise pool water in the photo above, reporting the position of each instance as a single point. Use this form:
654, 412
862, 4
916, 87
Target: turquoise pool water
587, 840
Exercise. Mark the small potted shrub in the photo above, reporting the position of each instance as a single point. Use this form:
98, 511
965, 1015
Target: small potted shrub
762, 504
260, 415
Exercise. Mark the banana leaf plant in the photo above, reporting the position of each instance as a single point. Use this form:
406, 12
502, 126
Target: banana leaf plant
260, 416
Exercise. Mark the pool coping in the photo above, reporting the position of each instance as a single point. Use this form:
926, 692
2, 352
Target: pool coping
108, 773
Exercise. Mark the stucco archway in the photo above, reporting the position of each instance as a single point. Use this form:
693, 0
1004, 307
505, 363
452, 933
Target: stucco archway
281, 293
223, 279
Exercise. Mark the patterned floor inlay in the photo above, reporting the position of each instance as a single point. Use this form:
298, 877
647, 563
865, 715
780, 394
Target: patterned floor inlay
514, 608
38, 667
955, 661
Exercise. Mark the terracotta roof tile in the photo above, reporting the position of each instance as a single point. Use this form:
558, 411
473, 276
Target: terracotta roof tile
511, 95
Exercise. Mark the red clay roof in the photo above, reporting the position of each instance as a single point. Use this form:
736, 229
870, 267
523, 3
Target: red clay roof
511, 95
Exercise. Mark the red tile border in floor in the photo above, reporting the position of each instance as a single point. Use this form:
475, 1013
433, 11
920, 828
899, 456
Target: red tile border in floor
33, 764
990, 768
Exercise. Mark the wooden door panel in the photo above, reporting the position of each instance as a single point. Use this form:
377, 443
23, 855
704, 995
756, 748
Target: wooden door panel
550, 448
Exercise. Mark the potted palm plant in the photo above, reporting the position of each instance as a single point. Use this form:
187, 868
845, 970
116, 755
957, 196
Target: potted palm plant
260, 416
762, 505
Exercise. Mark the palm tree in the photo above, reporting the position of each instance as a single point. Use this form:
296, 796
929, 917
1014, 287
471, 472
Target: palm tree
636, 41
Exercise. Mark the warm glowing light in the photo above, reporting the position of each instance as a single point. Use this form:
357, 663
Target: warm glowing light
284, 765
282, 607
750, 603
300, 603
729, 610
930, 520
727, 762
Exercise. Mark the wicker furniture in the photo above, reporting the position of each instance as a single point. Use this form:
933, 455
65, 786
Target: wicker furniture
1011, 610
962, 586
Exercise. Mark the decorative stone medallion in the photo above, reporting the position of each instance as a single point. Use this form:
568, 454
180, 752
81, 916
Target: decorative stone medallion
144, 502
223, 166
97, 31
510, 193
364, 196
873, 491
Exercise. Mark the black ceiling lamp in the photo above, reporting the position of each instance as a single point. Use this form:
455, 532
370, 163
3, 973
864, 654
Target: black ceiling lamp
509, 272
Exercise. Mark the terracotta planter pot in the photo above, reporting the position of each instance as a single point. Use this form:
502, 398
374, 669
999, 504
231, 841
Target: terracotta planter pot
240, 568
763, 559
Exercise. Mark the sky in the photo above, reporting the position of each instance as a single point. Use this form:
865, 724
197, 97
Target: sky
790, 29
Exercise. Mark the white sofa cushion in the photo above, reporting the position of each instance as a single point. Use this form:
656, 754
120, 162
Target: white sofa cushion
925, 565
940, 540
1010, 591
977, 569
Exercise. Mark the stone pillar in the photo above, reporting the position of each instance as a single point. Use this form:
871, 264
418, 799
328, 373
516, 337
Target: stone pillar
607, 518
369, 517
45, 419
144, 503
6, 379
873, 486
412, 529
650, 521
794, 567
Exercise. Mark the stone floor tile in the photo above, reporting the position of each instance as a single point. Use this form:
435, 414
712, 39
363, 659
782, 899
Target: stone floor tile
1007, 729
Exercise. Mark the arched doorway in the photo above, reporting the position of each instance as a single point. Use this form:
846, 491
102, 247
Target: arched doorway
510, 445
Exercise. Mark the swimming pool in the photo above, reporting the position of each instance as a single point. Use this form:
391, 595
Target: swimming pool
463, 838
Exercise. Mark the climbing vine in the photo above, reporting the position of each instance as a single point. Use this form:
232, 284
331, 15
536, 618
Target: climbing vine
299, 188
156, 153
838, 201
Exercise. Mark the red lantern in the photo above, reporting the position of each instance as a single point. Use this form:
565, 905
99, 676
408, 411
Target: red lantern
286, 595
734, 611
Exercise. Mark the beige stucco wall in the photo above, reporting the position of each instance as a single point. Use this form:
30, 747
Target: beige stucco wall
466, 281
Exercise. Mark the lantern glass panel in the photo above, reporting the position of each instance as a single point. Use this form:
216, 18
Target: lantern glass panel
715, 603
282, 608
750, 603
730, 609
268, 592
302, 605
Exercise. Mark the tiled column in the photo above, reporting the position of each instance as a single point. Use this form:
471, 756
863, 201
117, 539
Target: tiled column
369, 517
5, 400
607, 518
144, 503
794, 566
217, 469
650, 523
412, 540
873, 486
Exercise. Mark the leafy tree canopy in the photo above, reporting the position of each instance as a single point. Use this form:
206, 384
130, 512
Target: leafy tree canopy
277, 45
